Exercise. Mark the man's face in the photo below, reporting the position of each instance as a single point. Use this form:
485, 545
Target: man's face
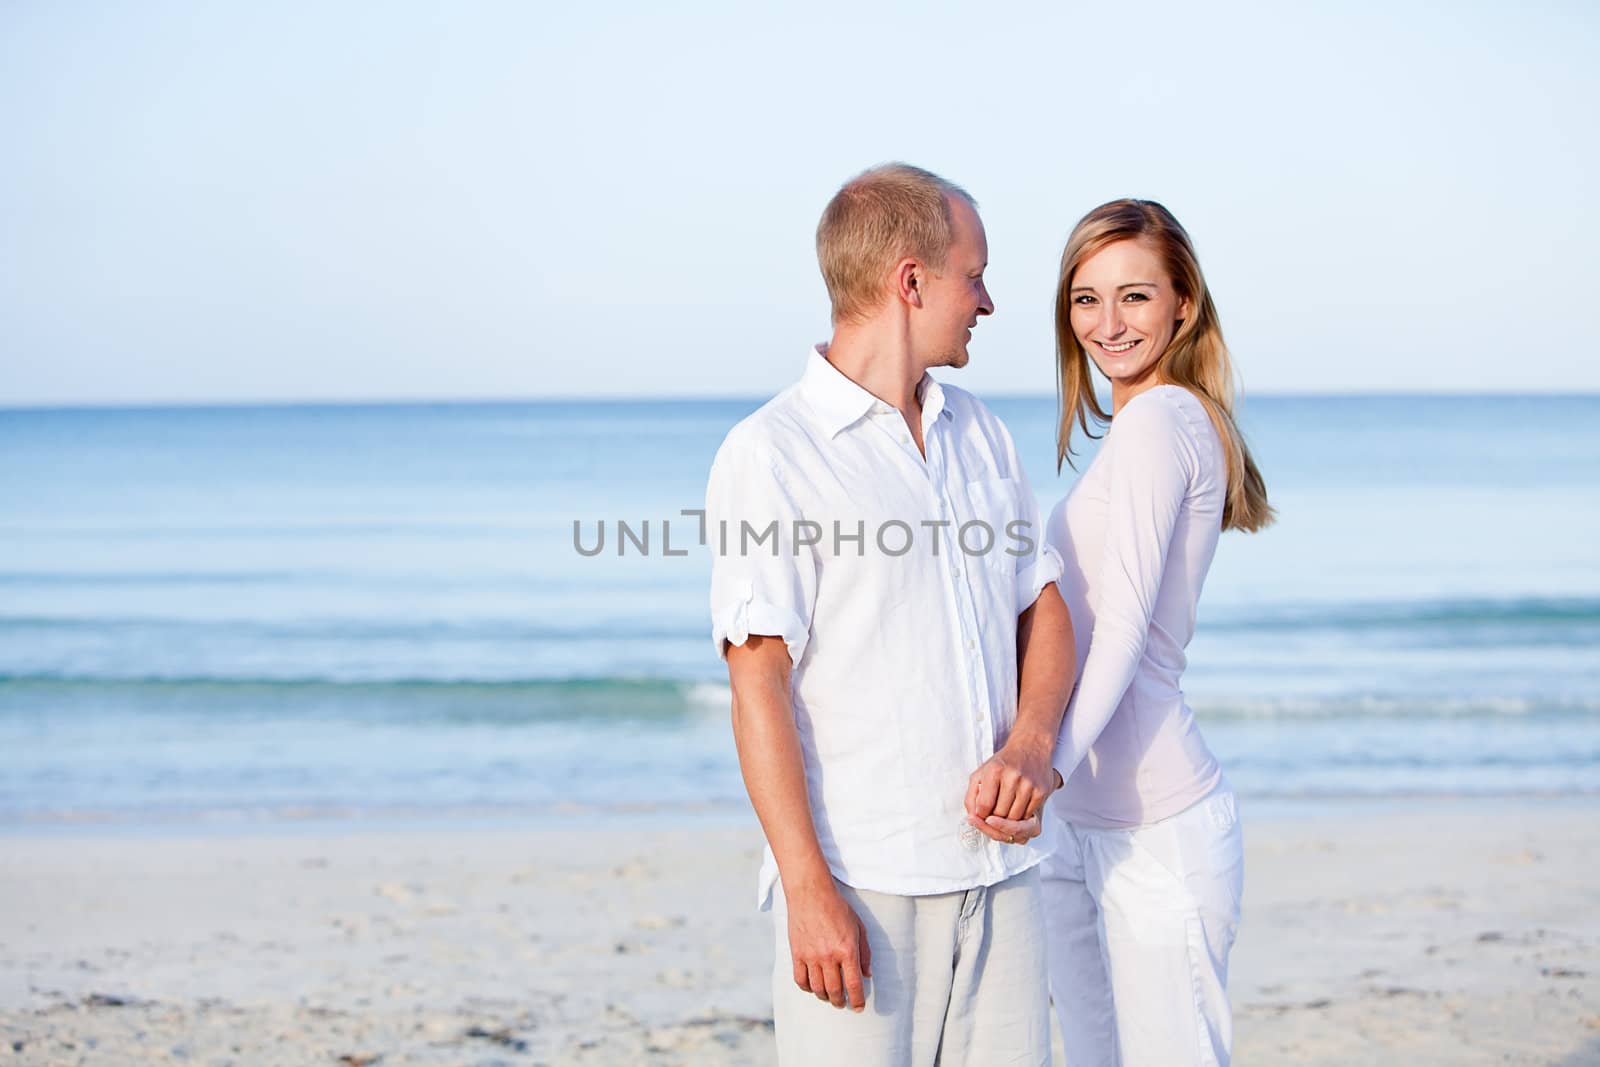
954, 296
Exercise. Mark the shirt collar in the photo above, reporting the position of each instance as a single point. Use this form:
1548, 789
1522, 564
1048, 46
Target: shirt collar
840, 402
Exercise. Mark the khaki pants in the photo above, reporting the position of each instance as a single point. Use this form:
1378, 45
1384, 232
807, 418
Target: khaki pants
957, 979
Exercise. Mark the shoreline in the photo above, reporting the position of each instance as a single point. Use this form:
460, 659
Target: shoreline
303, 822
1460, 931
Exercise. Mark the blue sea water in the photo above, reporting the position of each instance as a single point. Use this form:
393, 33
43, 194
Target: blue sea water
265, 612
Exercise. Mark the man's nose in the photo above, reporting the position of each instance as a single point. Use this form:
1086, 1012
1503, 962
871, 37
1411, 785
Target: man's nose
985, 301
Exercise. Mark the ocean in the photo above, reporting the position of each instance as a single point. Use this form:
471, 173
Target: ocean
258, 614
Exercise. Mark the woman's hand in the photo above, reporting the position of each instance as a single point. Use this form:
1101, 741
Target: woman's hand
1012, 831
1029, 821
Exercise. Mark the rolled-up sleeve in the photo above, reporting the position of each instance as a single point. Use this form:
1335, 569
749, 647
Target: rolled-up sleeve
1038, 563
1041, 566
762, 582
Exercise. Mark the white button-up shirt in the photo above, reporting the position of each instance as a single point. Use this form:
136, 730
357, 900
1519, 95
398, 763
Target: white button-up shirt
895, 581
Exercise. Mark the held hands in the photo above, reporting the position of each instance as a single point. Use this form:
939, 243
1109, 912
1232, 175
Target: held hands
1005, 797
828, 945
827, 940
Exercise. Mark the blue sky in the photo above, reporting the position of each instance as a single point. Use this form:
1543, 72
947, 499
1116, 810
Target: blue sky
363, 201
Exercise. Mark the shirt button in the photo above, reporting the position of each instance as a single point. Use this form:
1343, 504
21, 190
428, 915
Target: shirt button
971, 645
955, 572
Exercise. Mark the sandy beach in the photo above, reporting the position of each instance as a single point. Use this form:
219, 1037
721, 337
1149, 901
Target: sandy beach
1394, 932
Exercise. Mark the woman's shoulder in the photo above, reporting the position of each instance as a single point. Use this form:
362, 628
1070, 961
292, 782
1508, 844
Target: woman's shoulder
1161, 409
1165, 420
1166, 396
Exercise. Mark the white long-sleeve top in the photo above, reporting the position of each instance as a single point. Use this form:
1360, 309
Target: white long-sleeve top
1136, 535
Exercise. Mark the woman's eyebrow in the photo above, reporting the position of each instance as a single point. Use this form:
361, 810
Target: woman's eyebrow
1130, 285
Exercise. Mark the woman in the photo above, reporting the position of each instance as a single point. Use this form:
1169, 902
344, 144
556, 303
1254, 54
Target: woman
1142, 894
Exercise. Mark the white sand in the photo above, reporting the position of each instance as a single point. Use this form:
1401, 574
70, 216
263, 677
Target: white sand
1441, 932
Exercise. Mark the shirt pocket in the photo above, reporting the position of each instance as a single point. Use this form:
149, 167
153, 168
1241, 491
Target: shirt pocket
985, 534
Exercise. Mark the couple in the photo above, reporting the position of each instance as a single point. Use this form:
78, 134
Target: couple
902, 639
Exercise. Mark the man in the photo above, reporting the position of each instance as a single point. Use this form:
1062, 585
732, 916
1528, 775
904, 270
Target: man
878, 575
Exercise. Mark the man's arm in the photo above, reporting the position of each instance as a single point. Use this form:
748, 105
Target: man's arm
827, 940
1015, 782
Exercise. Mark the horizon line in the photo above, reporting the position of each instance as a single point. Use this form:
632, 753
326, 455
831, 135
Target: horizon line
11, 407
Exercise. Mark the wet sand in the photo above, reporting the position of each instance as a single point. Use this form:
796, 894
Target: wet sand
1418, 933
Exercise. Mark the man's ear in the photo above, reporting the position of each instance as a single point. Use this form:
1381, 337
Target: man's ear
908, 275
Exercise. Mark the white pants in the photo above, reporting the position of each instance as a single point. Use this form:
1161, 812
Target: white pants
1140, 925
957, 979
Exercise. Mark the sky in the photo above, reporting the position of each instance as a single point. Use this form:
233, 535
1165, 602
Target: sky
230, 202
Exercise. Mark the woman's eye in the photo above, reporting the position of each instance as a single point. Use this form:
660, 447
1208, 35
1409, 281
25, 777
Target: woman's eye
1083, 300
1137, 297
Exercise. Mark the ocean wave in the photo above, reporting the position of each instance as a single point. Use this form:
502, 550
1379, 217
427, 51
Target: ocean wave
348, 629
97, 579
1391, 706
711, 695
621, 697
1377, 764
1578, 616
401, 699
1431, 613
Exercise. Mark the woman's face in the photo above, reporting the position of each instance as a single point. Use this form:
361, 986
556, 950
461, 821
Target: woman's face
1124, 313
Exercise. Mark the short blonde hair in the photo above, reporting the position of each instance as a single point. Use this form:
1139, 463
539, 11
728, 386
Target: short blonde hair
876, 219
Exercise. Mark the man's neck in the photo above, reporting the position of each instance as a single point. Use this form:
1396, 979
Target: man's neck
878, 357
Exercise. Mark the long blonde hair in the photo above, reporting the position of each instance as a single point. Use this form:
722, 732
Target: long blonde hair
1196, 359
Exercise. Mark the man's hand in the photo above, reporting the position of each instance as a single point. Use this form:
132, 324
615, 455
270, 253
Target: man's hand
1012, 786
826, 939
828, 944
1005, 797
